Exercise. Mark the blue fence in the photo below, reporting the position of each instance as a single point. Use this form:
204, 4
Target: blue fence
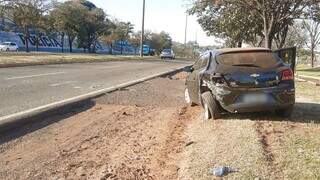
47, 44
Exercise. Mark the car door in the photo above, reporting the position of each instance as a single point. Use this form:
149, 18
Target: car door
11, 46
191, 80
193, 83
288, 55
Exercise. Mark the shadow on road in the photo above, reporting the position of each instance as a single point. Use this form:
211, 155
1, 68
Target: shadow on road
303, 113
43, 120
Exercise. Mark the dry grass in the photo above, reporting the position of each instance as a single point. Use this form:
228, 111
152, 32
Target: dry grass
304, 89
259, 145
300, 157
16, 59
308, 71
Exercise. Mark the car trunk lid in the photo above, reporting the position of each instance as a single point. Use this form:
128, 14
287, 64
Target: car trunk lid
250, 69
252, 79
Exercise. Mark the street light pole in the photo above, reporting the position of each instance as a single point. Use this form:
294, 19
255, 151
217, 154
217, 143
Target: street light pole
142, 29
185, 31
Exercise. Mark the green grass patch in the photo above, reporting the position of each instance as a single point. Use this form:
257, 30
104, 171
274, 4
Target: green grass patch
308, 71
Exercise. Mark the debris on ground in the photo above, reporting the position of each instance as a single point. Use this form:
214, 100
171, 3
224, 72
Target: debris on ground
222, 171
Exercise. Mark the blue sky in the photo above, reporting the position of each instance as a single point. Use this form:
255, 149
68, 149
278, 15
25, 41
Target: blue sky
161, 15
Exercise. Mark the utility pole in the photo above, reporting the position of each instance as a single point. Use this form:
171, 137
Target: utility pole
142, 29
185, 31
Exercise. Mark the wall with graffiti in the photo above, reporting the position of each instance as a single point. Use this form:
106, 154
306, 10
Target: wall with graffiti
48, 44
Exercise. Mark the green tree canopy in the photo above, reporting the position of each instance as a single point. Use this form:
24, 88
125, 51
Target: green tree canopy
250, 20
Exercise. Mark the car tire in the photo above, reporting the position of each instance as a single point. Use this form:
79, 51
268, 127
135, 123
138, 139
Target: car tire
187, 97
7, 49
285, 113
211, 106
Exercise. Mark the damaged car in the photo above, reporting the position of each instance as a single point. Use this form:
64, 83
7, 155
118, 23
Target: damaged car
240, 80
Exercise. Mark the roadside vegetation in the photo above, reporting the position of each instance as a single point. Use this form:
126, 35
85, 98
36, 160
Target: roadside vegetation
271, 24
307, 90
21, 59
306, 70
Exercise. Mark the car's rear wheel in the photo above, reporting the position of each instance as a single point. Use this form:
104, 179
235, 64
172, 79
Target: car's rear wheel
286, 113
211, 106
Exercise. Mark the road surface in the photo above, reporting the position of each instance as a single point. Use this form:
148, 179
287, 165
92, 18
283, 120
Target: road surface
29, 87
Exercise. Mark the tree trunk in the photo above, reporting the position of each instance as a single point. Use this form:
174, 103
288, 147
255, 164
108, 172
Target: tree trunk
26, 37
266, 32
312, 54
3, 23
70, 43
62, 42
111, 48
89, 48
239, 45
37, 42
121, 47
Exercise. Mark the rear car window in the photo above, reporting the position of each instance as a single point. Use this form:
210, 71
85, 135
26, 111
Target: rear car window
250, 59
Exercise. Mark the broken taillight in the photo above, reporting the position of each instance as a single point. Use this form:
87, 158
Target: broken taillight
287, 75
218, 78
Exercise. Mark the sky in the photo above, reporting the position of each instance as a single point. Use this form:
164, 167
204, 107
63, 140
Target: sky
161, 15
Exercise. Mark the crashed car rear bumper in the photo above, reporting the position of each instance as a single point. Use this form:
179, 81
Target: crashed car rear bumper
254, 100
269, 105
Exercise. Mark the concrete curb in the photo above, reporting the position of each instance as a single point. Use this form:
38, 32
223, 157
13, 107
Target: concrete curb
16, 120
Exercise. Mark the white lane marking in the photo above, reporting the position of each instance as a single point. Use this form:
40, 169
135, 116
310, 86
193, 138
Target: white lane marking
108, 67
63, 83
36, 75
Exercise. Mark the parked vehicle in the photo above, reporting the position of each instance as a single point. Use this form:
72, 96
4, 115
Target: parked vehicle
148, 51
8, 46
167, 54
243, 80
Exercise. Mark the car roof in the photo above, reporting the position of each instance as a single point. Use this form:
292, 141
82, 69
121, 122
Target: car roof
233, 50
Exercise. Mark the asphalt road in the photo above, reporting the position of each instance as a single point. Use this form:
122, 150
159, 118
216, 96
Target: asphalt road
25, 88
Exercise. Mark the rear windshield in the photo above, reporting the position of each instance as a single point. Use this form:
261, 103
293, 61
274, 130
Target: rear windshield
249, 59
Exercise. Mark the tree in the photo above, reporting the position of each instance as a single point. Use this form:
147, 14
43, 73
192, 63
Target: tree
3, 7
238, 19
159, 41
312, 28
108, 36
225, 19
26, 14
66, 18
120, 32
92, 25
135, 40
296, 36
